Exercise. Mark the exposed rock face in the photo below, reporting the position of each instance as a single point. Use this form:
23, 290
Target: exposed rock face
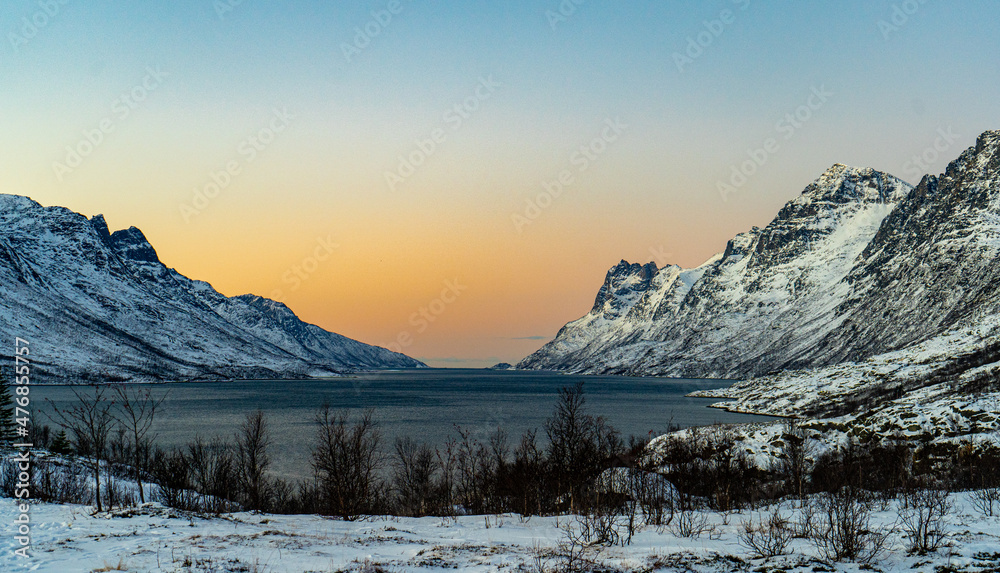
96, 305
858, 265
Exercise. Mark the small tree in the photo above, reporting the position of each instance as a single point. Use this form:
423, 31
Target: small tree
580, 445
135, 415
795, 453
346, 460
90, 420
61, 444
252, 460
413, 477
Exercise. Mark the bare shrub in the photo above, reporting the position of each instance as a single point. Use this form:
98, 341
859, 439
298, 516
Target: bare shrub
576, 553
986, 500
804, 527
252, 461
171, 473
605, 523
347, 459
414, 472
794, 462
527, 477
688, 521
580, 446
769, 537
212, 472
845, 531
136, 412
923, 518
8, 477
117, 495
64, 483
705, 462
90, 419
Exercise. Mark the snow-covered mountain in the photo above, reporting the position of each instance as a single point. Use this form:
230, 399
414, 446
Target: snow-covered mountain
99, 305
859, 265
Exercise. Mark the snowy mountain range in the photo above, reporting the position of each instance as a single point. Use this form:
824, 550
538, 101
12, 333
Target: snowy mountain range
95, 305
861, 274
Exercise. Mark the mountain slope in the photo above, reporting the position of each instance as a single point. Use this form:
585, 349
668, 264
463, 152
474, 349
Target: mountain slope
858, 265
752, 308
101, 305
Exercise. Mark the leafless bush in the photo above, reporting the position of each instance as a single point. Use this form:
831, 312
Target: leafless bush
985, 499
414, 478
690, 522
804, 527
580, 446
136, 412
577, 554
527, 477
61, 483
252, 461
171, 472
769, 537
346, 459
605, 523
845, 530
211, 467
480, 468
923, 518
705, 462
8, 477
539, 559
117, 495
90, 419
794, 463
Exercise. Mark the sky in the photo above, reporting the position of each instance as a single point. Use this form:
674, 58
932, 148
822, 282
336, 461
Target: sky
453, 179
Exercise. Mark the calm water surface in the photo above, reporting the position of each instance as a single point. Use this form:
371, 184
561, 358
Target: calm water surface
425, 404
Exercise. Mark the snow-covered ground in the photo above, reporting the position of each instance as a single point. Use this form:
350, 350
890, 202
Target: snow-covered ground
68, 538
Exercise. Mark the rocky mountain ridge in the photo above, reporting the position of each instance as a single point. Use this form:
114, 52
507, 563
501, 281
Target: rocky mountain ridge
96, 305
860, 264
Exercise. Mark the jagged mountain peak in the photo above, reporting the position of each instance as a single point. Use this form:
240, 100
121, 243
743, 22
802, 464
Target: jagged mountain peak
132, 244
624, 268
101, 226
622, 279
844, 184
982, 157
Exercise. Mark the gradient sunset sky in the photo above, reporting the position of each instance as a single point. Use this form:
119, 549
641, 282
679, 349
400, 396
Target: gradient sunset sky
667, 98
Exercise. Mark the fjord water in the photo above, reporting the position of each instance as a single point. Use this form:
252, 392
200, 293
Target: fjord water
425, 404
